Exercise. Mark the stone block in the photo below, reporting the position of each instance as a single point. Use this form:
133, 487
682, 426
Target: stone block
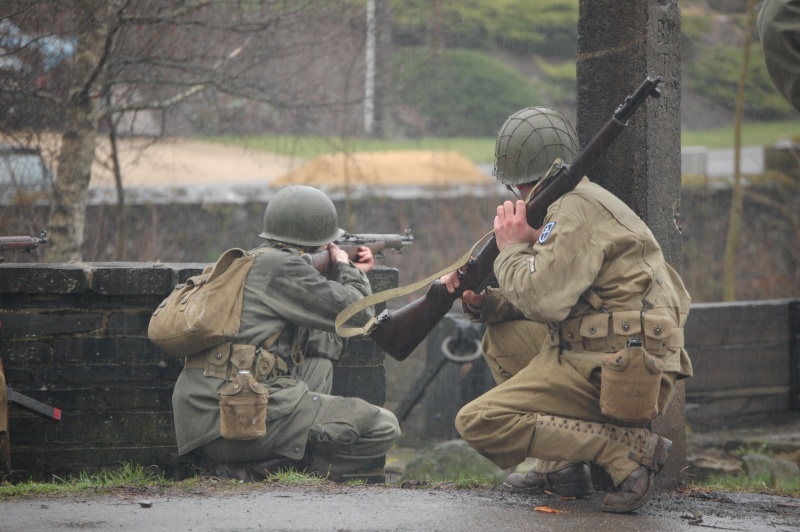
22, 353
34, 279
129, 322
109, 350
116, 278
31, 325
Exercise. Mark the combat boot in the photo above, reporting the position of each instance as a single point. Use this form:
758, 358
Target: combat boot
256, 471
638, 487
572, 481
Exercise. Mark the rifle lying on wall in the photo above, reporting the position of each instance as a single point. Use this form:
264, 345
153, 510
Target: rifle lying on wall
401, 332
349, 243
21, 243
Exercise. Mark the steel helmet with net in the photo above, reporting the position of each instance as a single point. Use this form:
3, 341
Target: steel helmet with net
528, 143
302, 216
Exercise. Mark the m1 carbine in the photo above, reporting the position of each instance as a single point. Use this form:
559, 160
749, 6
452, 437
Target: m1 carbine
401, 332
21, 243
349, 243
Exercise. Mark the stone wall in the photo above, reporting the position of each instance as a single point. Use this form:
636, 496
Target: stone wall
74, 336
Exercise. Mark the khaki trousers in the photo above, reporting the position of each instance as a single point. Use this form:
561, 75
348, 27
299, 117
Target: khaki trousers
547, 406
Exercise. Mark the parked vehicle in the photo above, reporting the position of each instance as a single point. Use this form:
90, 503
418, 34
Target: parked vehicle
24, 176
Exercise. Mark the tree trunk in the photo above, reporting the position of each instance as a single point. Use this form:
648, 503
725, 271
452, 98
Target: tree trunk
737, 200
68, 209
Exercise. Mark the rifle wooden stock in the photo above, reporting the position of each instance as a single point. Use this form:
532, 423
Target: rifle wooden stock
401, 332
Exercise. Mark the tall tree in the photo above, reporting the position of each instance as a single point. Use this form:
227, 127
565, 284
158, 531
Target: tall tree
737, 200
95, 29
289, 64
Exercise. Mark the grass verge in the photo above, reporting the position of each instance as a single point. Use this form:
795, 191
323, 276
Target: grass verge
481, 150
743, 483
128, 475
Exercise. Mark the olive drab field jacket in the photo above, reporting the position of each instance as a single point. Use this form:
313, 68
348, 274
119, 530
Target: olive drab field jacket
284, 298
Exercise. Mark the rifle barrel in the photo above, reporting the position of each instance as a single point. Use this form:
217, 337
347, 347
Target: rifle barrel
22, 243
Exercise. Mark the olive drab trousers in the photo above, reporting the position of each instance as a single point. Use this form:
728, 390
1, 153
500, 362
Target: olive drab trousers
346, 432
547, 406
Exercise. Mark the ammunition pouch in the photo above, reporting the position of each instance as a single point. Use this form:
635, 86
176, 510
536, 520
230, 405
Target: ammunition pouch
243, 409
630, 380
226, 360
605, 332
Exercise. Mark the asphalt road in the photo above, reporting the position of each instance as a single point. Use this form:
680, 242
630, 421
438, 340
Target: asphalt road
377, 508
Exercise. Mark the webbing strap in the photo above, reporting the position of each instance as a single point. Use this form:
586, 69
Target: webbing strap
593, 299
651, 294
392, 293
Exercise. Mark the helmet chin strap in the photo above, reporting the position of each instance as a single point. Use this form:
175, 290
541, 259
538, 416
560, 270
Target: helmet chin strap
287, 245
551, 171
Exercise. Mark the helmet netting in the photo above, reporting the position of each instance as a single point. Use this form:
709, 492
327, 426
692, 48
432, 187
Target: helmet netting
529, 142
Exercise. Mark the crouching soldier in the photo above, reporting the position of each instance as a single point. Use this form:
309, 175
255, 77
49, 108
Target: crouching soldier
288, 313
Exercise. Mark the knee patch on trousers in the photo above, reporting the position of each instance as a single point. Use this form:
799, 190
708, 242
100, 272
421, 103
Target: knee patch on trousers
344, 421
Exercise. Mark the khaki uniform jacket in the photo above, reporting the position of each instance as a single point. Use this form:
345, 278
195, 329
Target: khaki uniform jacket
282, 293
779, 28
591, 240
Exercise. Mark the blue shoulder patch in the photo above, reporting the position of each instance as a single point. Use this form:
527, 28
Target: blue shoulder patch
546, 232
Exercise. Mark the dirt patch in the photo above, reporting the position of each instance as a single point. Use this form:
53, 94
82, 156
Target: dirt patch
181, 162
175, 162
408, 167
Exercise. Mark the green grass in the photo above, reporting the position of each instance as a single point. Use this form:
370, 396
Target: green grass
481, 150
747, 484
753, 134
476, 149
127, 475
289, 476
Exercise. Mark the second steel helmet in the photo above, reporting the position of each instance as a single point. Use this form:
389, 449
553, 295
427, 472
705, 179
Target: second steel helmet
301, 215
528, 143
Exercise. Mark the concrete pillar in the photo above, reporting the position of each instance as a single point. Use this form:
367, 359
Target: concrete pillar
620, 42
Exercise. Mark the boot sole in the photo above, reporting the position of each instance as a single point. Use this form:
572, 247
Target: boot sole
660, 458
634, 505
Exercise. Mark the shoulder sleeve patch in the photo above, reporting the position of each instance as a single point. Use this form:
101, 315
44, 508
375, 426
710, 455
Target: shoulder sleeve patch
546, 232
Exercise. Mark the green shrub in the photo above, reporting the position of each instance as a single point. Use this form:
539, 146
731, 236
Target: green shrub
461, 93
547, 27
450, 23
716, 75
543, 27
558, 81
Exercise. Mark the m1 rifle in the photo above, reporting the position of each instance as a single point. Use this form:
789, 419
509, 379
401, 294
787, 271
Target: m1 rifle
401, 332
349, 243
21, 243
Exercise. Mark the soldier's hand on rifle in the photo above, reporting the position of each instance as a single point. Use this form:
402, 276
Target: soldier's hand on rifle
511, 225
451, 281
366, 261
337, 254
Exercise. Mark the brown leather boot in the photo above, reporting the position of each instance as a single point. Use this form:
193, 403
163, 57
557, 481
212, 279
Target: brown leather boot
573, 481
638, 487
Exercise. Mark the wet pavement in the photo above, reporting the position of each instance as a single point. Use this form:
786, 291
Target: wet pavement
379, 508
216, 505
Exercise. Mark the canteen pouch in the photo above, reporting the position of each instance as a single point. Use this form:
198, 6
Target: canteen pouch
630, 380
243, 409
